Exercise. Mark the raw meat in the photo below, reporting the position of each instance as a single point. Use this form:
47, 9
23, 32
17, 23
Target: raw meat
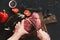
35, 18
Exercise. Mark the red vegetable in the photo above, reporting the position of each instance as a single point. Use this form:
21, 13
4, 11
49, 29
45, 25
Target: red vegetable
1, 14
27, 12
15, 10
3, 17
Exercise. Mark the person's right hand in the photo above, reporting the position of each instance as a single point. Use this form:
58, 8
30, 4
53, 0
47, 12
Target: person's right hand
43, 35
19, 28
19, 31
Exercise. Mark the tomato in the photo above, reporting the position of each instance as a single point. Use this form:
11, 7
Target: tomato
15, 10
27, 12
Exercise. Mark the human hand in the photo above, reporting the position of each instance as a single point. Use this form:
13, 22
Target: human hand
19, 28
43, 35
19, 31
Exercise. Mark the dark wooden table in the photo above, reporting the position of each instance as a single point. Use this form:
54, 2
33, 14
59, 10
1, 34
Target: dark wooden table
53, 29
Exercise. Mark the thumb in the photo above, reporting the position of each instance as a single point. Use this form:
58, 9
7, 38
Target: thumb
40, 31
22, 23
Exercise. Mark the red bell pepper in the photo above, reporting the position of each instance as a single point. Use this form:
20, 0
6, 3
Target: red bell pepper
3, 17
1, 14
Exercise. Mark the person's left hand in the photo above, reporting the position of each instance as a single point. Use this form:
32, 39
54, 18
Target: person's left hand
43, 35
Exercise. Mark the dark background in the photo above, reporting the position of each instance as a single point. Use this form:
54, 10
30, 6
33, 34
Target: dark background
52, 5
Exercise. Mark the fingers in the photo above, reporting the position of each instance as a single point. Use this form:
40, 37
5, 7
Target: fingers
20, 27
17, 25
40, 31
22, 23
42, 34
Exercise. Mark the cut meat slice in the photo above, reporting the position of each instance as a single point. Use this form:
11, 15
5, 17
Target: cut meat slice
27, 25
35, 18
36, 21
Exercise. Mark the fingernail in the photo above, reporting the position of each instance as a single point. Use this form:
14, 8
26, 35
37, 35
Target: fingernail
18, 22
